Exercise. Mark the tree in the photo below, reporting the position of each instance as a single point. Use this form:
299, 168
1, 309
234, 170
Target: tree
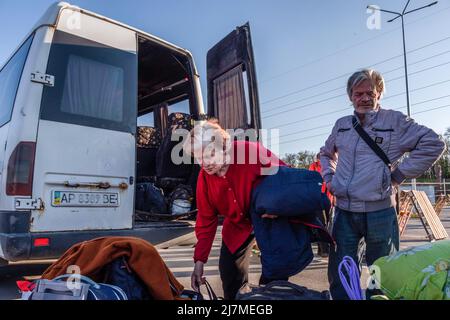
447, 134
441, 168
290, 159
301, 159
445, 159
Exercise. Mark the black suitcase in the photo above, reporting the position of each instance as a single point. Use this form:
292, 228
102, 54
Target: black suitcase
279, 290
150, 199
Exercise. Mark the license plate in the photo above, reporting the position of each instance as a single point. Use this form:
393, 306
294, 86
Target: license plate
84, 199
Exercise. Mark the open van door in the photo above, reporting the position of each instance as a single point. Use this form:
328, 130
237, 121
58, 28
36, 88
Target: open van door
231, 80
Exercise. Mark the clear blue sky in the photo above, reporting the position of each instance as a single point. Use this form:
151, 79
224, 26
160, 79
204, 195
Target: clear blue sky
297, 45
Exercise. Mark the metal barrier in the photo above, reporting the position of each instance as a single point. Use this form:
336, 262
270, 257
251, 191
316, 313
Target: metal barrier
434, 190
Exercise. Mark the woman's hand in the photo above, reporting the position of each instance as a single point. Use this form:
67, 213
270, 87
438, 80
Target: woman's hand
328, 187
333, 201
269, 216
197, 278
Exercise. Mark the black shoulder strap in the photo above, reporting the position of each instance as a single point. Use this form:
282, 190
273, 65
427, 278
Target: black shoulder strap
375, 148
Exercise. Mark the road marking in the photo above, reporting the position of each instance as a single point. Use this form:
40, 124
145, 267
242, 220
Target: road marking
208, 268
181, 249
187, 259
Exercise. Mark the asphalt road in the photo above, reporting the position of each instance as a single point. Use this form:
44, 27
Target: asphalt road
313, 277
179, 260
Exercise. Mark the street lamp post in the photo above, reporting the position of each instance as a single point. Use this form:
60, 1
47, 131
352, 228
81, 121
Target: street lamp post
401, 15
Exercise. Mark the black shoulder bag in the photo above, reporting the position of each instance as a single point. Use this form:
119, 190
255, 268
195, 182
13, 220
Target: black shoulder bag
378, 151
372, 144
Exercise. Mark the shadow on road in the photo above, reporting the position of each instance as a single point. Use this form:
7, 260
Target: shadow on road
16, 272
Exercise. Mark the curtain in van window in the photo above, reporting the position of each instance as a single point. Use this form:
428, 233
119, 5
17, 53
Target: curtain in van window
93, 89
229, 99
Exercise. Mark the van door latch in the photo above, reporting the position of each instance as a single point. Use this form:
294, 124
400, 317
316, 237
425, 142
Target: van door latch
29, 204
45, 79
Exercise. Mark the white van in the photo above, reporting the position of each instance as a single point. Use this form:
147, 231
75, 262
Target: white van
72, 97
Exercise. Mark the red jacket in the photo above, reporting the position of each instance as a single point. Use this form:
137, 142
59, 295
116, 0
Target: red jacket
229, 196
315, 166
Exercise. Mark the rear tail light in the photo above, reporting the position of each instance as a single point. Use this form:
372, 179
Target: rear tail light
41, 242
19, 179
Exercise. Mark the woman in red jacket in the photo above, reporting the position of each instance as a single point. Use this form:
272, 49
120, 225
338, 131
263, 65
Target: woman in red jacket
323, 248
230, 170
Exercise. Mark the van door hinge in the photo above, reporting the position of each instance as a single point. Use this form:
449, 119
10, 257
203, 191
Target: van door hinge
45, 79
29, 204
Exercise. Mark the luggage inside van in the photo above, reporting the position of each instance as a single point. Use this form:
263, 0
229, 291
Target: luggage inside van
163, 177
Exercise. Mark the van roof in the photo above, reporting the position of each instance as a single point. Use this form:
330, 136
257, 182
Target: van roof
51, 16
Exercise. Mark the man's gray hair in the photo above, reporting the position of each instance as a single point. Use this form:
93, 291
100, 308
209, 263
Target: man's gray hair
366, 74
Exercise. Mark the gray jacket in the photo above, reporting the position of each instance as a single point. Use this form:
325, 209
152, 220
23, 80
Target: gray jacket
359, 179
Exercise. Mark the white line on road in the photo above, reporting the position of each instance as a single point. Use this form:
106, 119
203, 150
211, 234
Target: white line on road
181, 249
187, 259
208, 268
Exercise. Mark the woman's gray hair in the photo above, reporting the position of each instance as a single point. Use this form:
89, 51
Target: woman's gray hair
206, 134
366, 74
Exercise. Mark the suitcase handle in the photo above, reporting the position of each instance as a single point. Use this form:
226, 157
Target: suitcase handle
81, 277
211, 294
55, 290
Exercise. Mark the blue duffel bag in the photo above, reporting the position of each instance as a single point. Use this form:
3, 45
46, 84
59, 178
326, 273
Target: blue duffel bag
73, 287
290, 192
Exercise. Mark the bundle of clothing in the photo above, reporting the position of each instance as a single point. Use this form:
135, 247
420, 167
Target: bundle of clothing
416, 273
94, 258
295, 197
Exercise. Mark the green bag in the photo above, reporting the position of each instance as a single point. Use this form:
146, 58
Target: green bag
417, 273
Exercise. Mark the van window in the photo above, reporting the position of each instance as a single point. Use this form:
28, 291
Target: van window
85, 86
180, 106
146, 120
95, 85
229, 99
10, 76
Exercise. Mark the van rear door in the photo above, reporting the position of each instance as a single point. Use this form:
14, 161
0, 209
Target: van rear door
85, 150
231, 76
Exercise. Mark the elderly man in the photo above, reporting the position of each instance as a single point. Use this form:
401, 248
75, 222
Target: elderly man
362, 174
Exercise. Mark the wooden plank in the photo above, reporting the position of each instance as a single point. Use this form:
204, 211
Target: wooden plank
421, 217
425, 209
404, 222
425, 204
441, 203
420, 211
405, 212
442, 232
430, 215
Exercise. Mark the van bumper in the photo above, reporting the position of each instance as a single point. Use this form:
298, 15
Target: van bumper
18, 246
